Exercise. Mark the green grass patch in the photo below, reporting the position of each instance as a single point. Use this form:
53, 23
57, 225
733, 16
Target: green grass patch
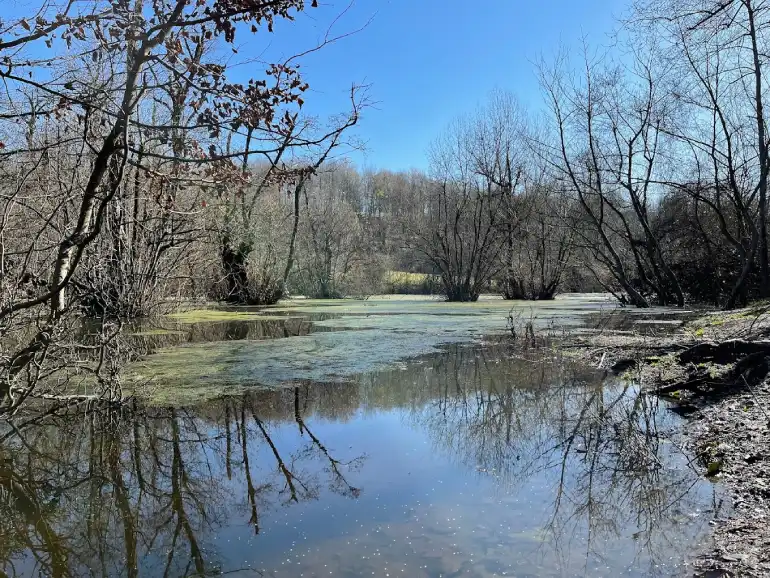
405, 277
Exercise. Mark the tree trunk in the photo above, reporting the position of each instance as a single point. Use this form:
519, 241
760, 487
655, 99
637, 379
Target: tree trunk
294, 228
764, 156
236, 274
737, 294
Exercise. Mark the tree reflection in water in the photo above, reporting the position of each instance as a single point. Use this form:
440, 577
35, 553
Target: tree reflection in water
105, 494
159, 491
609, 453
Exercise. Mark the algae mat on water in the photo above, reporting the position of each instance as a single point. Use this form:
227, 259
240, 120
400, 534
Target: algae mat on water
193, 373
369, 335
222, 315
415, 304
488, 316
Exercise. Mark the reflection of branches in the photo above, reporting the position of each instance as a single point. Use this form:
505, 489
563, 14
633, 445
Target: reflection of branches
145, 487
287, 473
490, 415
16, 494
149, 488
124, 507
250, 489
178, 483
603, 445
611, 472
339, 480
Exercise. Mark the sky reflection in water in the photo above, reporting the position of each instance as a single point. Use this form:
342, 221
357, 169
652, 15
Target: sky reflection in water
463, 463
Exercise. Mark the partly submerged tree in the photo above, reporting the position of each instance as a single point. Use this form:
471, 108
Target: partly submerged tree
543, 242
460, 236
497, 149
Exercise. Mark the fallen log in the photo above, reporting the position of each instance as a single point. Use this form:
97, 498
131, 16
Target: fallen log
690, 385
753, 368
723, 352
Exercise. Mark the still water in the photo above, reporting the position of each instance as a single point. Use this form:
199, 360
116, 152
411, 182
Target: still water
468, 461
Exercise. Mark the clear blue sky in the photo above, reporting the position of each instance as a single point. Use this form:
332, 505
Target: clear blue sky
428, 61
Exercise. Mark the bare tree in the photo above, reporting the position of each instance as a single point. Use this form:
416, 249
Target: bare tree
543, 242
462, 240
715, 52
151, 112
610, 125
497, 150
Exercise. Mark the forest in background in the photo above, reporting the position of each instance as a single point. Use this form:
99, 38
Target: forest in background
136, 174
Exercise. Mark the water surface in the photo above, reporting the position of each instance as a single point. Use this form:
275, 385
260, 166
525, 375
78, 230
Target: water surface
471, 461
243, 349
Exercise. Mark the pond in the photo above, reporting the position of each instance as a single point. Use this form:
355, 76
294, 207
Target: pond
201, 355
447, 455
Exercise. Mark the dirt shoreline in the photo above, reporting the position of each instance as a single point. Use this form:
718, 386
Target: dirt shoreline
736, 432
728, 429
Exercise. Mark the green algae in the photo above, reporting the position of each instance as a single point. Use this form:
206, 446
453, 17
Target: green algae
155, 332
152, 394
366, 335
208, 370
439, 317
437, 324
425, 303
221, 315
483, 310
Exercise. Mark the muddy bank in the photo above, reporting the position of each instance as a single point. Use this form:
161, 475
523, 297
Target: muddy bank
733, 437
726, 400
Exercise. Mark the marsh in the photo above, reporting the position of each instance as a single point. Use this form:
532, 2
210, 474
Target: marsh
387, 437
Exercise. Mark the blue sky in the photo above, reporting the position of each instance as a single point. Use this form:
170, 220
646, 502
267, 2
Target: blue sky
428, 61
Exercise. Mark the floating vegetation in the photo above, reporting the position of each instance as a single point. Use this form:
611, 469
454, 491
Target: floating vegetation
368, 335
156, 332
439, 324
203, 371
222, 315
431, 305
